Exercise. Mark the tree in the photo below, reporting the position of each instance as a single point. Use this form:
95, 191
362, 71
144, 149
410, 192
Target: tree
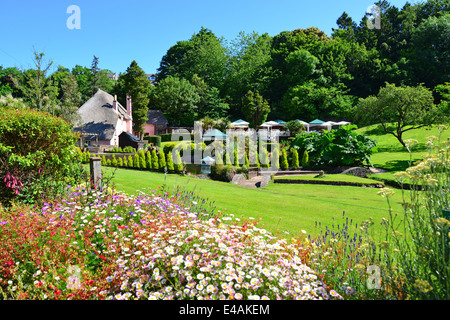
430, 56
137, 87
38, 89
255, 108
177, 99
203, 54
399, 109
70, 99
295, 127
9, 79
210, 103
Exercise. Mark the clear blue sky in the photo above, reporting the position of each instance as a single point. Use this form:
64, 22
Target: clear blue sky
119, 31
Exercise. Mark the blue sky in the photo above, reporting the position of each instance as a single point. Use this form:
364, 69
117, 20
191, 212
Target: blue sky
119, 32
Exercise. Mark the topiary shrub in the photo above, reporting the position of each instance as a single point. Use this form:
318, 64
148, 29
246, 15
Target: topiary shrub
136, 163
130, 162
177, 163
120, 162
38, 154
114, 160
305, 159
295, 161
162, 160
169, 161
155, 162
284, 164
148, 160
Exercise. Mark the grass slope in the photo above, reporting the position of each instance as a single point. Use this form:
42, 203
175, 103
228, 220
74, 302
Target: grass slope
283, 208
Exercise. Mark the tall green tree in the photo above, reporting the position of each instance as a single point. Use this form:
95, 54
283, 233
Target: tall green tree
177, 98
38, 89
203, 54
255, 108
399, 109
70, 100
137, 87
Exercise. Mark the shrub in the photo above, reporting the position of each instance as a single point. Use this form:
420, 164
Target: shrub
178, 164
148, 160
120, 162
103, 161
136, 162
276, 158
168, 147
284, 161
227, 159
295, 160
108, 162
114, 160
129, 149
161, 160
155, 140
170, 165
305, 159
223, 172
337, 147
235, 156
130, 162
39, 151
142, 163
155, 162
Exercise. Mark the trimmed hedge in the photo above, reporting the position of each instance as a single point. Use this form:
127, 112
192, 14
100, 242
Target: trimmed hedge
156, 140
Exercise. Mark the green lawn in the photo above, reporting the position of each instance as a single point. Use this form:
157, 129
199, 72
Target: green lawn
330, 177
283, 208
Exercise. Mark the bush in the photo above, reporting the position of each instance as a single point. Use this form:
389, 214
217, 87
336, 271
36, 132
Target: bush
155, 162
39, 151
178, 164
155, 140
136, 162
129, 149
103, 161
295, 161
162, 160
148, 160
130, 162
305, 159
223, 173
170, 165
114, 160
337, 147
284, 164
120, 162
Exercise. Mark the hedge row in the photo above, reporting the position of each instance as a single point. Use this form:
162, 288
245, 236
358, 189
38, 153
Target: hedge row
147, 160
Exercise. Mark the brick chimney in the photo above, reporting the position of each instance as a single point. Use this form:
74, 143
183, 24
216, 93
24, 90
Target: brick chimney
115, 103
129, 106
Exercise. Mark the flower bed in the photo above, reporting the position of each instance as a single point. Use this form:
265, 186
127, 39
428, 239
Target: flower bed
108, 245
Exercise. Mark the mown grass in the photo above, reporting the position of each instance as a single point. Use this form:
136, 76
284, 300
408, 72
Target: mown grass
285, 210
330, 178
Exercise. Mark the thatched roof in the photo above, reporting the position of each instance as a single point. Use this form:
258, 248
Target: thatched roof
156, 117
97, 116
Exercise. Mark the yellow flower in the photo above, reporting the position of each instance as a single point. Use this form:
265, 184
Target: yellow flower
423, 286
386, 192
